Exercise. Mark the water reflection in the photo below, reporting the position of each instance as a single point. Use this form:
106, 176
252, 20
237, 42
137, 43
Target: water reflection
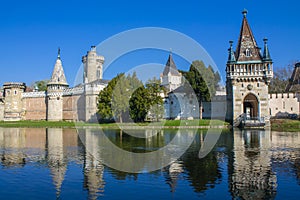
252, 176
251, 163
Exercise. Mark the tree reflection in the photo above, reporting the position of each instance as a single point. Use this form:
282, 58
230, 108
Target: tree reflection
202, 173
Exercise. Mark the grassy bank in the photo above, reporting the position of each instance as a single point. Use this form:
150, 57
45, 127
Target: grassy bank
167, 124
285, 125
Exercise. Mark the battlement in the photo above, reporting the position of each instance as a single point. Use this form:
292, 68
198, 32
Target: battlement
282, 96
73, 91
8, 85
33, 94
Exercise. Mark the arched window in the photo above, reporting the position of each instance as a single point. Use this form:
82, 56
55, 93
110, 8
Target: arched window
248, 53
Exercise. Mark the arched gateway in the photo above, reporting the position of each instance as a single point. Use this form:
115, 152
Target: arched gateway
251, 106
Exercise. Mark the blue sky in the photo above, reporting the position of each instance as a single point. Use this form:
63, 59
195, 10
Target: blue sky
31, 31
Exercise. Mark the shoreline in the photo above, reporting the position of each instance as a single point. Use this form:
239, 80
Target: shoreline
276, 125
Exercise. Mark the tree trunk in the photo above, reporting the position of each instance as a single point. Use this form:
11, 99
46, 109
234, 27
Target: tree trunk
120, 118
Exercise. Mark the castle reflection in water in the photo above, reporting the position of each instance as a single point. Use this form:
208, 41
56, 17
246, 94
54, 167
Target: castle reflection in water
251, 158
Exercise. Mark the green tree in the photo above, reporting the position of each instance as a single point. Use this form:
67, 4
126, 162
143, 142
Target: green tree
204, 80
154, 99
40, 85
105, 99
139, 104
113, 101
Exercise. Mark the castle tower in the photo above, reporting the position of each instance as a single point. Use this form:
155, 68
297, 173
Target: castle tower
248, 74
55, 88
93, 66
171, 78
93, 83
13, 105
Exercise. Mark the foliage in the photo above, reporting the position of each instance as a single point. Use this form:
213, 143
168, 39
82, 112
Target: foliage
204, 80
40, 85
139, 104
281, 79
155, 101
113, 101
105, 99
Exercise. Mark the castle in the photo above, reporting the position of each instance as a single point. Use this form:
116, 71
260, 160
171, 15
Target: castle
248, 75
59, 102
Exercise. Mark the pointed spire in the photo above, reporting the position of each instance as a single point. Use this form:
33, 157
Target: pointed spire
231, 57
245, 12
171, 67
247, 49
58, 76
266, 54
58, 53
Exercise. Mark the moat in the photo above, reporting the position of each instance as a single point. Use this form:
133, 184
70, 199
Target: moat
41, 163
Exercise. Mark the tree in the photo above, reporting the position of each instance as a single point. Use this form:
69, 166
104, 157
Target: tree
204, 80
40, 85
105, 99
155, 101
120, 98
281, 79
113, 101
139, 104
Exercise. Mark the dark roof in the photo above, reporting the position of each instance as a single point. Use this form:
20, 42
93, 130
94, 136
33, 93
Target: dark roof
294, 83
171, 67
247, 41
184, 89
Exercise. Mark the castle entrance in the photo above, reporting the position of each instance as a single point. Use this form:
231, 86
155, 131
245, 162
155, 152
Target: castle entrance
251, 106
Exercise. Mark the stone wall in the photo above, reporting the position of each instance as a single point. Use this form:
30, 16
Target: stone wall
283, 104
72, 111
1, 110
35, 108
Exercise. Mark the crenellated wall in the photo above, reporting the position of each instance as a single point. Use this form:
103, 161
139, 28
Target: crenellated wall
283, 103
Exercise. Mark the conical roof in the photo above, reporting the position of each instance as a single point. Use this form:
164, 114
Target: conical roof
58, 76
171, 67
247, 49
294, 83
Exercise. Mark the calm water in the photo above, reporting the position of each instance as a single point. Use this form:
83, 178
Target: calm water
64, 164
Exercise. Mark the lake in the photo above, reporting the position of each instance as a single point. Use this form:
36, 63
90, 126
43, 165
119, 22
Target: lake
55, 163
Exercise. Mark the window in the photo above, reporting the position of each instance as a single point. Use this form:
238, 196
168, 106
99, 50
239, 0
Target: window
248, 53
98, 73
257, 84
291, 108
283, 105
15, 92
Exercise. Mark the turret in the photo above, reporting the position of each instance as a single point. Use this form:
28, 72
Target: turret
171, 78
93, 66
13, 105
55, 88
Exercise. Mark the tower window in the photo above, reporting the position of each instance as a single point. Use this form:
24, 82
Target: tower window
257, 84
248, 53
98, 73
15, 92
